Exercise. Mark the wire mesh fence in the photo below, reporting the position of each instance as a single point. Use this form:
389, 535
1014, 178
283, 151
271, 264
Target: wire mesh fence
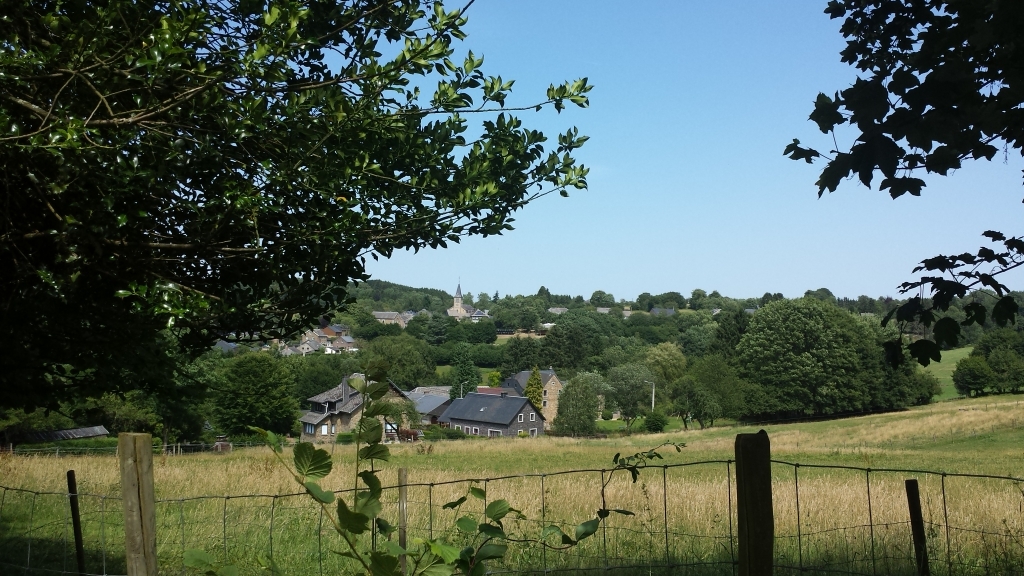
829, 519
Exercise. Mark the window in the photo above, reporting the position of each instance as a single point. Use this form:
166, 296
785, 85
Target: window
533, 432
333, 428
533, 417
521, 416
545, 393
457, 427
494, 433
476, 431
544, 404
309, 428
323, 430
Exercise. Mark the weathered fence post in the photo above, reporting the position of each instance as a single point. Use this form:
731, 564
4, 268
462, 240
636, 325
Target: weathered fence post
917, 527
76, 521
135, 453
403, 501
755, 518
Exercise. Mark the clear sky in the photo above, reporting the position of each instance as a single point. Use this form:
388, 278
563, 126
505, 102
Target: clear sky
692, 106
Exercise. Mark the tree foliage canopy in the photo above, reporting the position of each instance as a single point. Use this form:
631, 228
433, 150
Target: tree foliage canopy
942, 81
223, 169
578, 404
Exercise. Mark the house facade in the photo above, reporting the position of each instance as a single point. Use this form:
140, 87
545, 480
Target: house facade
552, 389
337, 410
494, 416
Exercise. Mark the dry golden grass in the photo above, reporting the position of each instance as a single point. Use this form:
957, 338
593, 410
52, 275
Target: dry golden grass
692, 501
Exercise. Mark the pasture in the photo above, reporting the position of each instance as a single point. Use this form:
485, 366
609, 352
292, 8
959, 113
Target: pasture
683, 513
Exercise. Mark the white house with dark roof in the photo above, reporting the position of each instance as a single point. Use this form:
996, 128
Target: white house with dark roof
494, 416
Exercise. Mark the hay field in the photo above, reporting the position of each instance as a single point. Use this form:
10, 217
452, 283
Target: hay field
206, 500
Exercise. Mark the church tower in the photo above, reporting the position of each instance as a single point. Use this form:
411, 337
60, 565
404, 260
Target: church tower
458, 297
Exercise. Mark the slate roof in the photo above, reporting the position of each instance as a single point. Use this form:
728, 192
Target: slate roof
662, 311
487, 408
425, 403
434, 390
225, 346
518, 381
386, 315
342, 392
458, 291
496, 390
311, 417
69, 434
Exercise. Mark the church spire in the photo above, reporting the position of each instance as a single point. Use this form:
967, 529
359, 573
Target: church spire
458, 291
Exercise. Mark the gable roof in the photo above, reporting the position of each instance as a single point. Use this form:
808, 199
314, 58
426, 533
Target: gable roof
426, 403
487, 408
70, 434
386, 315
435, 390
518, 381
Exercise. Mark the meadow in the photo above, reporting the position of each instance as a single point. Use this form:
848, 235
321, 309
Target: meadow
684, 513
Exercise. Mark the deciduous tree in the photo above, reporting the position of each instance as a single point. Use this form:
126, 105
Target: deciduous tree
578, 405
223, 170
939, 84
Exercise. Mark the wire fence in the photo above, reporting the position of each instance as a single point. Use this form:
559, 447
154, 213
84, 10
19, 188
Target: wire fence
170, 449
829, 519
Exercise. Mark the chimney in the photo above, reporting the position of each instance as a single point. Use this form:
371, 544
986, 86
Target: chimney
504, 394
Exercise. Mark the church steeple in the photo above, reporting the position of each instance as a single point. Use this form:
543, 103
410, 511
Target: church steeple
458, 291
457, 304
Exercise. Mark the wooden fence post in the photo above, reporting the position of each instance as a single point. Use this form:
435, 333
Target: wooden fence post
755, 517
917, 527
403, 501
135, 453
76, 521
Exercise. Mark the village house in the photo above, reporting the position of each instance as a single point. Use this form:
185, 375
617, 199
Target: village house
494, 416
390, 318
338, 410
552, 389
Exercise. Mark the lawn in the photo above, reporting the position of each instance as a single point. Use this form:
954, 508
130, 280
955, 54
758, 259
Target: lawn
944, 371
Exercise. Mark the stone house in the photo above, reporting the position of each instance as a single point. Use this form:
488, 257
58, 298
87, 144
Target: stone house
552, 389
338, 410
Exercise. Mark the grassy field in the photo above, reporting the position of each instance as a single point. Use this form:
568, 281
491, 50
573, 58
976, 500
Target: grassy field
944, 371
693, 501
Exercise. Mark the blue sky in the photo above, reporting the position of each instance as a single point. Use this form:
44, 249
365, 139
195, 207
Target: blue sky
692, 106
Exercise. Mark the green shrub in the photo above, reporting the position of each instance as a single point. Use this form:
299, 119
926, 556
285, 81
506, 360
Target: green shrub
655, 422
346, 438
606, 414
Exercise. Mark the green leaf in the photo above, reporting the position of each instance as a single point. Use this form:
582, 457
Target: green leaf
491, 531
587, 528
497, 510
477, 492
375, 452
351, 520
454, 504
394, 549
382, 564
552, 529
198, 559
924, 351
377, 390
368, 505
369, 478
319, 493
274, 441
466, 524
357, 384
383, 527
437, 569
229, 570
370, 431
1005, 311
491, 551
447, 553
311, 462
